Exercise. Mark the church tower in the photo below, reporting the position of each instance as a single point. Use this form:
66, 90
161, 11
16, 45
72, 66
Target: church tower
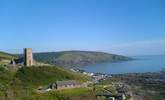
28, 60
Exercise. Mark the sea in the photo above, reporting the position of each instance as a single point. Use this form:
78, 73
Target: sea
140, 64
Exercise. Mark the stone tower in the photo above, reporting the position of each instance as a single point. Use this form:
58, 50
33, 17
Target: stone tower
28, 60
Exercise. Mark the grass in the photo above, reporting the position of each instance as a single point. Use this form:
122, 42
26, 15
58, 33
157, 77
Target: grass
67, 94
44, 75
21, 84
6, 77
76, 91
7, 56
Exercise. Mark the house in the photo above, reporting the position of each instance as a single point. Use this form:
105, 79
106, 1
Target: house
64, 84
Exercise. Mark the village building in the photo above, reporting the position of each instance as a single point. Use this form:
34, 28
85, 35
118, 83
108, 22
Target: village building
64, 84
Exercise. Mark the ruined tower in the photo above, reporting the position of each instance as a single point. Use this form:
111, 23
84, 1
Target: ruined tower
28, 60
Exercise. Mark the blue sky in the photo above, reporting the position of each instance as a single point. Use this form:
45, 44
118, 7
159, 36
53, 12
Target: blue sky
128, 27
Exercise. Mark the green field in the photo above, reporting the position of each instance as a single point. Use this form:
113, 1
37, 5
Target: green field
44, 75
68, 94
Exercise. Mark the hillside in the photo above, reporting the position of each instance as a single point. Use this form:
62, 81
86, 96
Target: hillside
44, 75
21, 84
77, 58
5, 58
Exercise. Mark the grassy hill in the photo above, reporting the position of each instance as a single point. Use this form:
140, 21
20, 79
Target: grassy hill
5, 58
44, 75
21, 84
77, 58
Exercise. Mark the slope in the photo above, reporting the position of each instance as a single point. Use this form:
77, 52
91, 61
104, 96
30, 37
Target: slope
5, 58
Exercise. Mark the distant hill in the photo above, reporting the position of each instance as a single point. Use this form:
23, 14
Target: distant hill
5, 58
77, 58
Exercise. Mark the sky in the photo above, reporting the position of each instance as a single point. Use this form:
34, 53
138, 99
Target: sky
126, 27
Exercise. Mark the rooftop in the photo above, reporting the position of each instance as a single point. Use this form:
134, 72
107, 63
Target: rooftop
68, 82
